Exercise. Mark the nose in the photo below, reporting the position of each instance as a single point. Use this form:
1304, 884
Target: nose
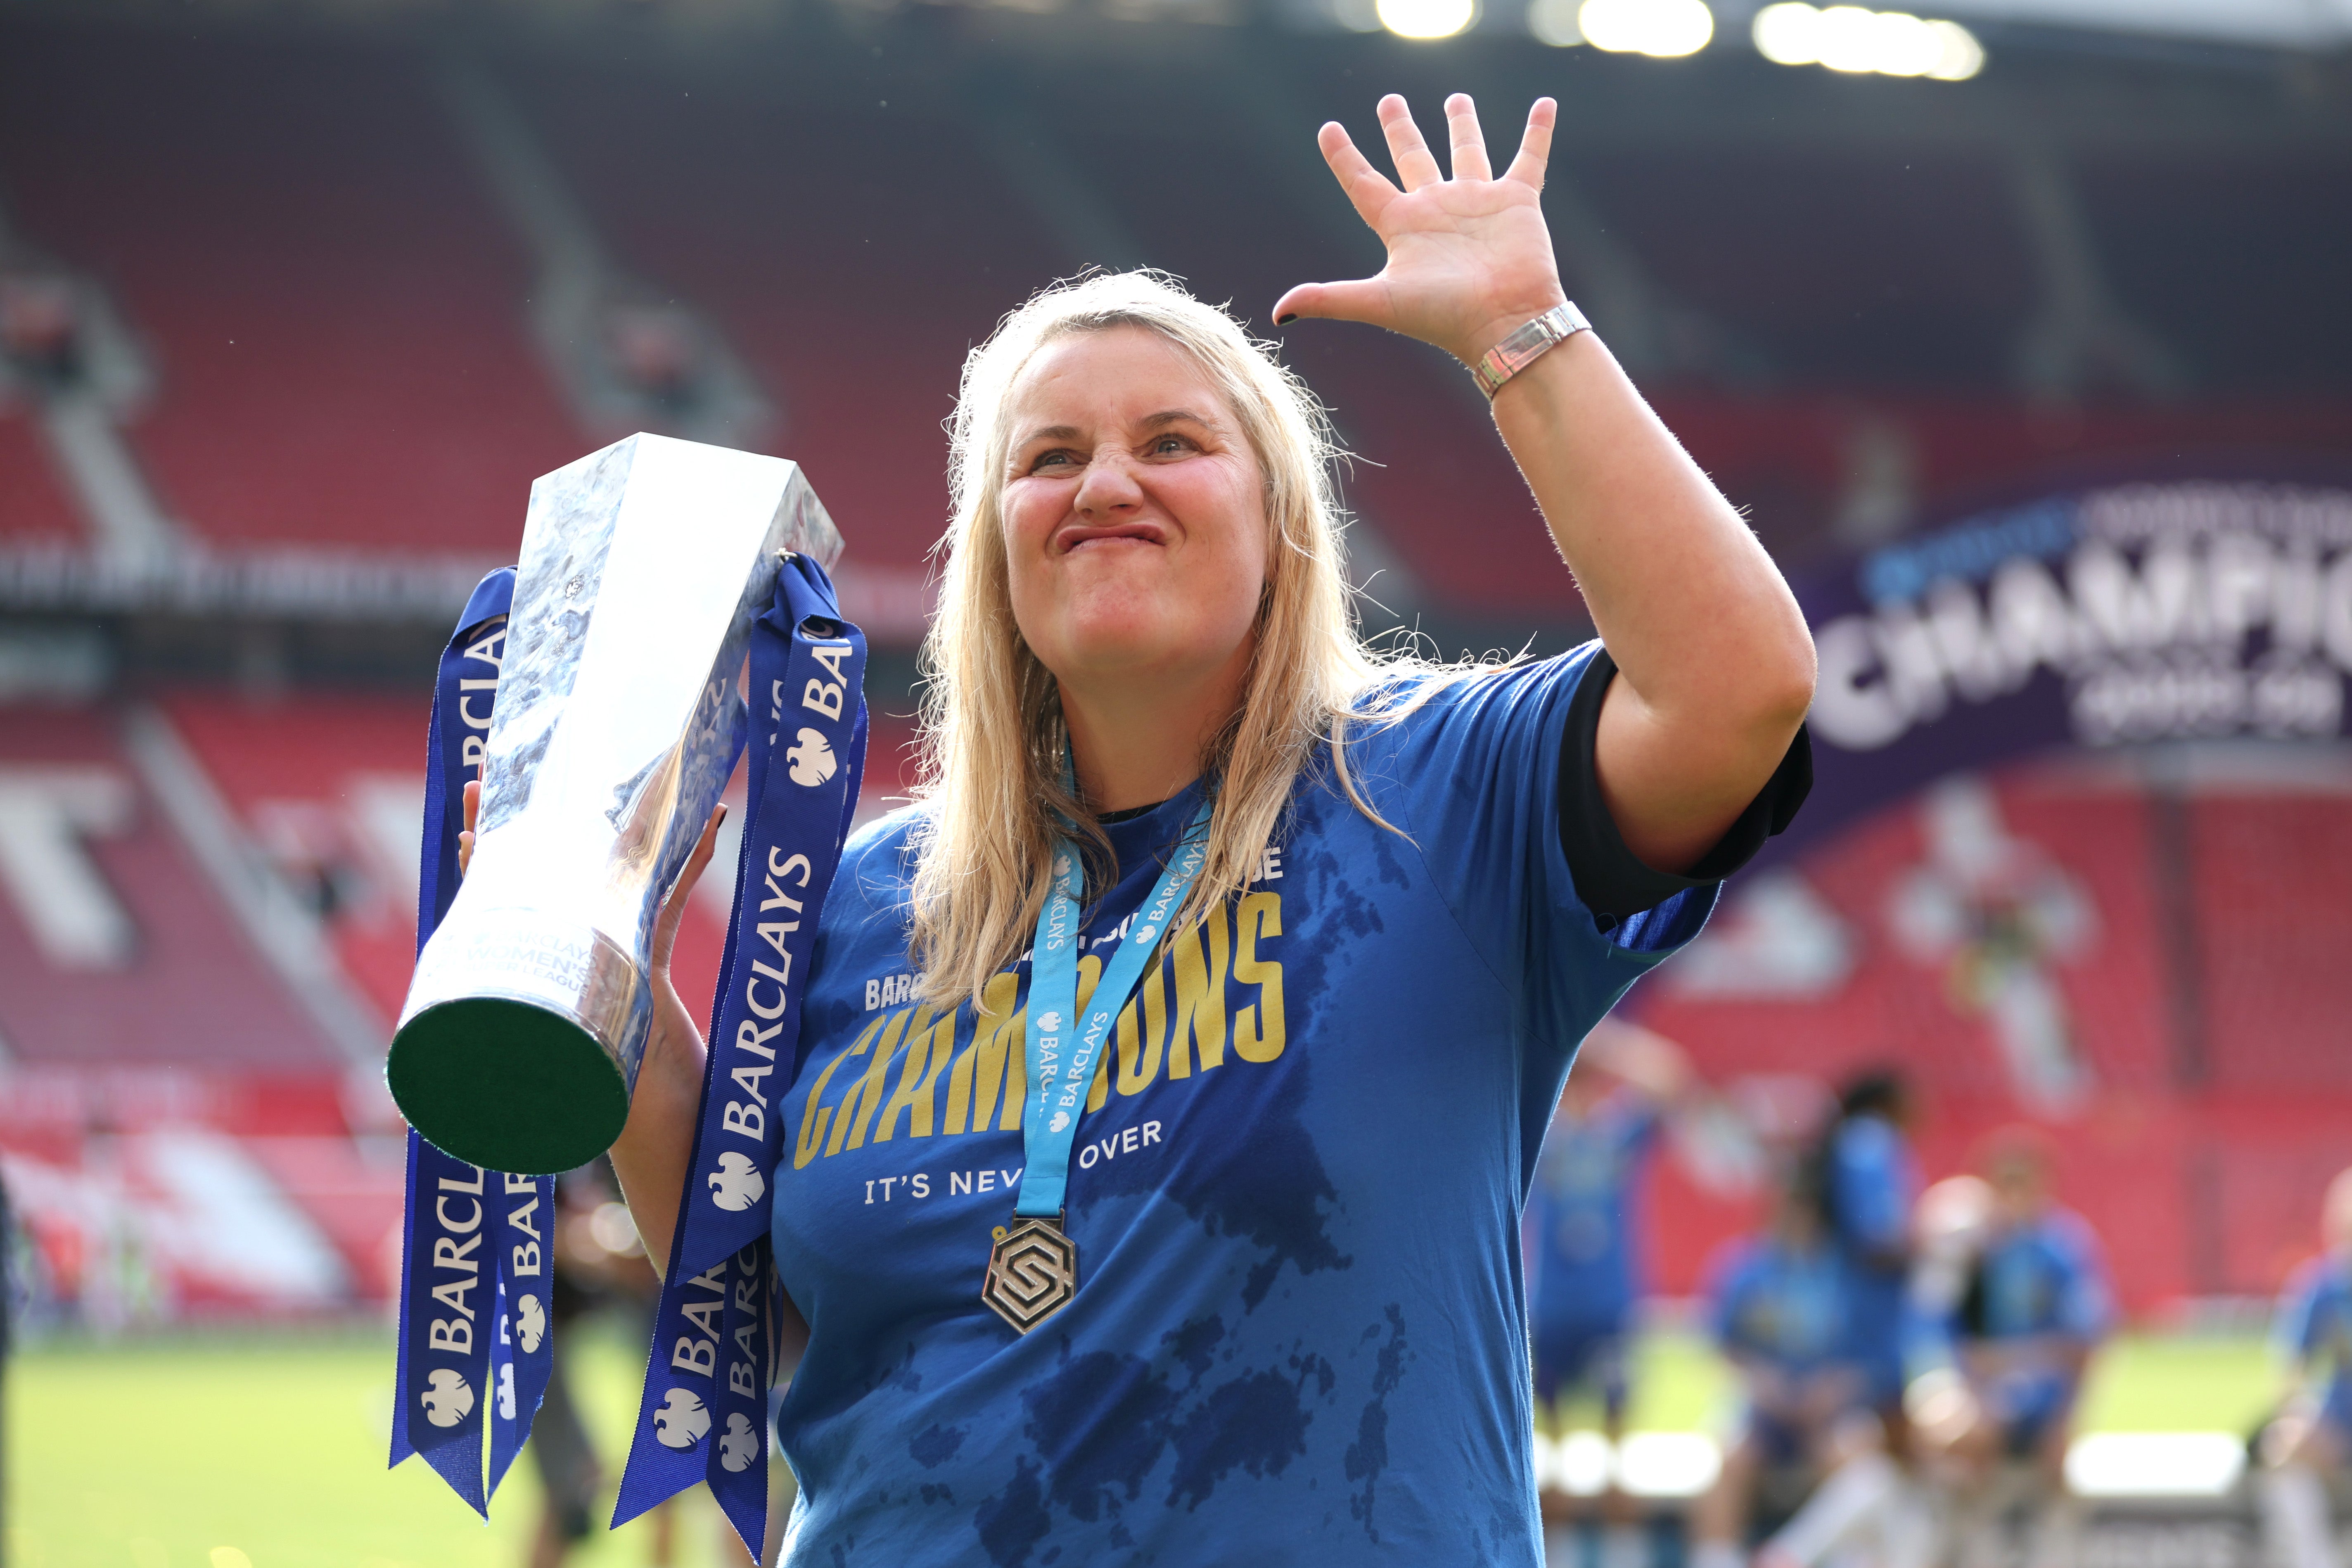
1109, 486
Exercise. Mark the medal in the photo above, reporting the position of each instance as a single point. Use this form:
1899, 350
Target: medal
1033, 1272
1032, 1267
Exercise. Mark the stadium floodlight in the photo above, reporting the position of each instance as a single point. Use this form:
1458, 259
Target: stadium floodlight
1553, 22
1427, 18
1662, 29
1788, 34
1858, 40
1960, 56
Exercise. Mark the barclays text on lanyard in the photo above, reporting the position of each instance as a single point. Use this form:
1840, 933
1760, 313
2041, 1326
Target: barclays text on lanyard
1032, 1267
704, 1412
475, 1345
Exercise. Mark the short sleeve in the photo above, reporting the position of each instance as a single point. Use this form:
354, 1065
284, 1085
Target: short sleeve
1612, 881
1471, 774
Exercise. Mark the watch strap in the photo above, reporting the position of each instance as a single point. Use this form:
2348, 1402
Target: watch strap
1527, 346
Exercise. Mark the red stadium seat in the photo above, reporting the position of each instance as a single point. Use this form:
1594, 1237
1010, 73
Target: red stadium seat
334, 307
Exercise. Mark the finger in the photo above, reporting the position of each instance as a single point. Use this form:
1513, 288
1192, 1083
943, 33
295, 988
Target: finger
1535, 147
674, 905
1416, 166
473, 797
1369, 191
704, 848
1469, 143
464, 851
1363, 300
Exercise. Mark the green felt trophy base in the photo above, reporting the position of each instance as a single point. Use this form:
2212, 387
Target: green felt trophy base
505, 1084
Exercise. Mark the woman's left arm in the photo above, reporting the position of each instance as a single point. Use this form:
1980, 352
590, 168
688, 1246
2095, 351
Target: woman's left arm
1713, 661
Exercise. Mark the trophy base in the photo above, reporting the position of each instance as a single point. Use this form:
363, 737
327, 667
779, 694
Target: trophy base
507, 1084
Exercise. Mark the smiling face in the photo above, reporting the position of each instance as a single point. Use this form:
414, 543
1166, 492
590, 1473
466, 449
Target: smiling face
1134, 514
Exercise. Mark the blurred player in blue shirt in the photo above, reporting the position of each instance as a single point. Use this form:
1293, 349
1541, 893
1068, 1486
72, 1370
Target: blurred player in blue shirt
2034, 1307
1782, 1305
2018, 1324
1584, 1267
1868, 1182
2312, 1437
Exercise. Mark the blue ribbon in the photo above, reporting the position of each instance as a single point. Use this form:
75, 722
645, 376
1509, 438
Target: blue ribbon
475, 1342
704, 1413
1060, 1070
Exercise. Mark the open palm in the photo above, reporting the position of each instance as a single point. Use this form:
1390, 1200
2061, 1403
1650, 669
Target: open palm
1470, 259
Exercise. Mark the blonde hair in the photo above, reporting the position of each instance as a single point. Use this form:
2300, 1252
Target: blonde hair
990, 740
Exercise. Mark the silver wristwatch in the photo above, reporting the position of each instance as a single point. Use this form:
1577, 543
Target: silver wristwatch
1526, 346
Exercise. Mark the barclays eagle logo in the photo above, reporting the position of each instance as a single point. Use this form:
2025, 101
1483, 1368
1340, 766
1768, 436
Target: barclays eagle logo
447, 1398
529, 1323
739, 1446
1050, 1023
812, 761
1061, 1120
682, 1419
737, 1185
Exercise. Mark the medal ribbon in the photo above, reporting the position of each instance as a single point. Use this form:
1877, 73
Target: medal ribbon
475, 1344
1061, 1063
704, 1412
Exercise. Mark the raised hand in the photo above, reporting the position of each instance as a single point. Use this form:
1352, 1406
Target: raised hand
1470, 259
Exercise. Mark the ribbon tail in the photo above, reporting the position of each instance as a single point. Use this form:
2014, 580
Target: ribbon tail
401, 1447
524, 1351
455, 1394
738, 1470
460, 1464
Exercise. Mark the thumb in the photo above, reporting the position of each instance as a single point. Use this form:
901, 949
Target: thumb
1363, 300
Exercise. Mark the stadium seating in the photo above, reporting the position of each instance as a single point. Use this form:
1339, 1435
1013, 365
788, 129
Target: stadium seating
824, 272
115, 949
2244, 1120
2189, 224
34, 510
2272, 915
334, 311
333, 308
1925, 284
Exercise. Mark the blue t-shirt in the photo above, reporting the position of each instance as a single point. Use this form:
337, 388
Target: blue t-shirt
1786, 1307
2314, 1328
1872, 1182
2034, 1283
1580, 1213
1298, 1335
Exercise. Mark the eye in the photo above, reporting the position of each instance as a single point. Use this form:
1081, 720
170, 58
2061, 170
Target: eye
1044, 461
1173, 445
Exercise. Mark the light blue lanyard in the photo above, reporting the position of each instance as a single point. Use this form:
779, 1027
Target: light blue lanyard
1063, 1049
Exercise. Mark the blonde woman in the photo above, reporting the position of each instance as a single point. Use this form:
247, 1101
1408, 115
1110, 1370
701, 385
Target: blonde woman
1271, 1309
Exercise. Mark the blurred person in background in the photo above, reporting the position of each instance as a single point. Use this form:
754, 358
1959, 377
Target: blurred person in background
1782, 1307
1867, 1181
2311, 1438
1584, 1273
2032, 1305
598, 1263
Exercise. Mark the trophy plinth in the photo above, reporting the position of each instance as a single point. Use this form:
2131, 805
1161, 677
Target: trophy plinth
617, 721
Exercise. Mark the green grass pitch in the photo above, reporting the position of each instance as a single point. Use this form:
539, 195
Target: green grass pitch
267, 1452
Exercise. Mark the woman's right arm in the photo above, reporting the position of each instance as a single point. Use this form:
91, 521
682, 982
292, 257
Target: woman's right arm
651, 1154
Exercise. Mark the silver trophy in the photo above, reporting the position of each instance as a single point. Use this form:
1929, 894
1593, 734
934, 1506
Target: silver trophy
619, 702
